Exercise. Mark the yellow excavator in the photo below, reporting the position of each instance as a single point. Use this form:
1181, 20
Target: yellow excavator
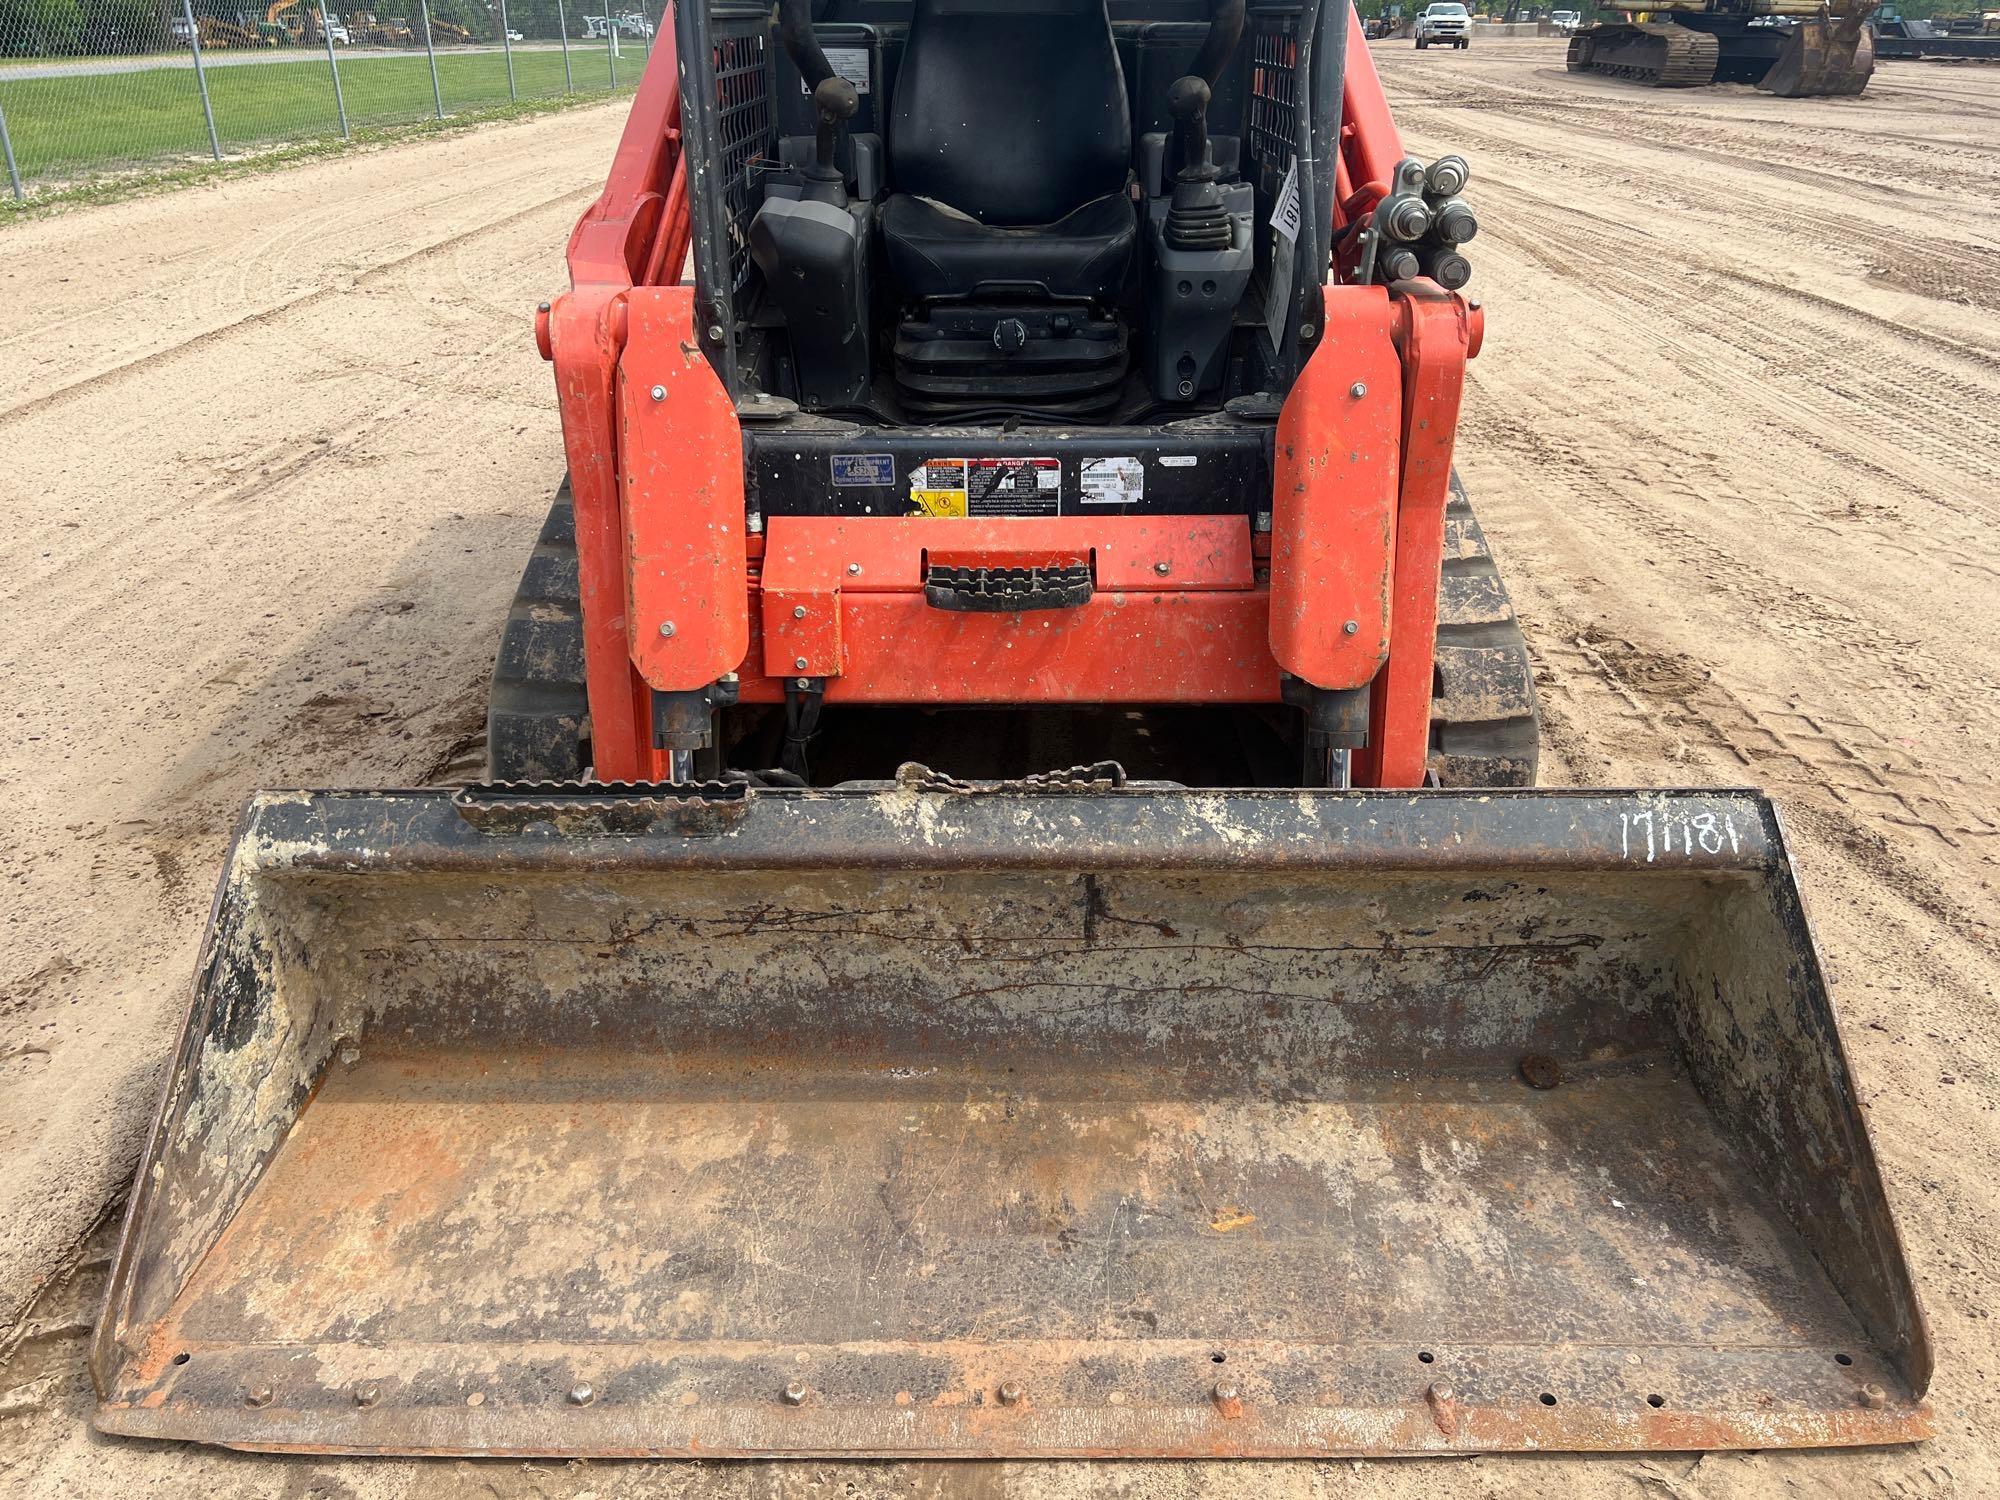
1792, 48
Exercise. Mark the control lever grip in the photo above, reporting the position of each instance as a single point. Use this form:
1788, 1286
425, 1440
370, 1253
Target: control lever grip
1187, 102
835, 102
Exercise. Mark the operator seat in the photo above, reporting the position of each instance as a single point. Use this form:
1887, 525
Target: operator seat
1011, 232
1010, 144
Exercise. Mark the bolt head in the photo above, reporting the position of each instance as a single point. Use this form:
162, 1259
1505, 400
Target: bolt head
368, 1394
715, 333
753, 524
659, 393
799, 664
1308, 330
258, 1396
666, 627
1874, 1397
1352, 627
541, 307
1163, 568
1441, 1392
795, 1393
853, 568
1541, 1071
804, 682
1011, 1393
1227, 1392
798, 611
1358, 389
581, 1394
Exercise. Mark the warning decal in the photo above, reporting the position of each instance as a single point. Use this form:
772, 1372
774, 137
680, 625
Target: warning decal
986, 486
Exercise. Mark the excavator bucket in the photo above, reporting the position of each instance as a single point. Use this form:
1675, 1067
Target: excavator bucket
1822, 57
1040, 1119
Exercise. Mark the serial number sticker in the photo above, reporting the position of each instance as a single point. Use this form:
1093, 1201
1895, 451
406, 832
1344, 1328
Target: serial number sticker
1650, 836
1113, 481
1178, 460
863, 470
987, 486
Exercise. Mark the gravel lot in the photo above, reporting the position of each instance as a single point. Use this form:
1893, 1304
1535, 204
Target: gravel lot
274, 450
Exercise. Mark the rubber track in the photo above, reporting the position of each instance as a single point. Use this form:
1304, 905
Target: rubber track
537, 717
1485, 723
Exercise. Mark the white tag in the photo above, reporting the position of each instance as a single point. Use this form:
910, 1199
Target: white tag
1113, 481
850, 63
1278, 299
1285, 212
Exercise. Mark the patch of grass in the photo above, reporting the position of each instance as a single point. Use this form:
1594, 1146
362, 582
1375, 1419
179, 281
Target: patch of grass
67, 126
139, 183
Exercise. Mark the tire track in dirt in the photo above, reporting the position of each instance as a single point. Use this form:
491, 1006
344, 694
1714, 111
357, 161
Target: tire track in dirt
283, 558
152, 360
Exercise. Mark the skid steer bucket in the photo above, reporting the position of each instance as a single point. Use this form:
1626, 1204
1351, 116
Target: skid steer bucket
926, 1120
1823, 57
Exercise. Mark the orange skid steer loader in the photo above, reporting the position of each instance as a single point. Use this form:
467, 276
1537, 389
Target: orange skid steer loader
1010, 915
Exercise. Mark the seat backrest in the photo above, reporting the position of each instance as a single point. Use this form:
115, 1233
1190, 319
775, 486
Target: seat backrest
1013, 111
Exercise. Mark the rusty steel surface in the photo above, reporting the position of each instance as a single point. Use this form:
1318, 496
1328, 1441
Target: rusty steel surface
941, 1121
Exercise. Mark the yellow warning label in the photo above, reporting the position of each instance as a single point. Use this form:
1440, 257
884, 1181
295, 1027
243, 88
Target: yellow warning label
939, 502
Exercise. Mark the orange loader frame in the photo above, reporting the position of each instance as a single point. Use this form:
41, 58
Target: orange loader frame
678, 591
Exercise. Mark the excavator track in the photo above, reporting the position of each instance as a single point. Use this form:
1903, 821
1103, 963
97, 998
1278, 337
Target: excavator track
1652, 52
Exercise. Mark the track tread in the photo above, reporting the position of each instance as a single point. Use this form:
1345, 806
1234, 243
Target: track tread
1659, 53
537, 719
1485, 720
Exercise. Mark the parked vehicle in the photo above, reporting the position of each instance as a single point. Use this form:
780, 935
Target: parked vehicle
1565, 21
1445, 24
631, 24
1795, 49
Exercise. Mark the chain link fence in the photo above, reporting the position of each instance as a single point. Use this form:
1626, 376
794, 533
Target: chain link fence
94, 87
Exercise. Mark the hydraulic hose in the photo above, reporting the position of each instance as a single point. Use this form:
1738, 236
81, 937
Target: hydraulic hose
1225, 30
795, 33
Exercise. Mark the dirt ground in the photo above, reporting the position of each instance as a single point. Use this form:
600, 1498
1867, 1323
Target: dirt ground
272, 454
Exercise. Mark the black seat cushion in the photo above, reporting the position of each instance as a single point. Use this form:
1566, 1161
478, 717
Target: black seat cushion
1011, 110
934, 252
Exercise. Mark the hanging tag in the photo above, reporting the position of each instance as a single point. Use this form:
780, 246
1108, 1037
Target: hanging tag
1284, 234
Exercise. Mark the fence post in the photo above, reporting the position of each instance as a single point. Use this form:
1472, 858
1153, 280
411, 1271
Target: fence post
201, 80
13, 170
562, 25
611, 41
437, 89
507, 46
333, 67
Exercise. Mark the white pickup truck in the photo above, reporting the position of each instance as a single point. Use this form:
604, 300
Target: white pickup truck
1446, 24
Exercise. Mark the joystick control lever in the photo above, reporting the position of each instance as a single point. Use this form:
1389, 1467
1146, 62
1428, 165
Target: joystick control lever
1196, 219
834, 103
835, 100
